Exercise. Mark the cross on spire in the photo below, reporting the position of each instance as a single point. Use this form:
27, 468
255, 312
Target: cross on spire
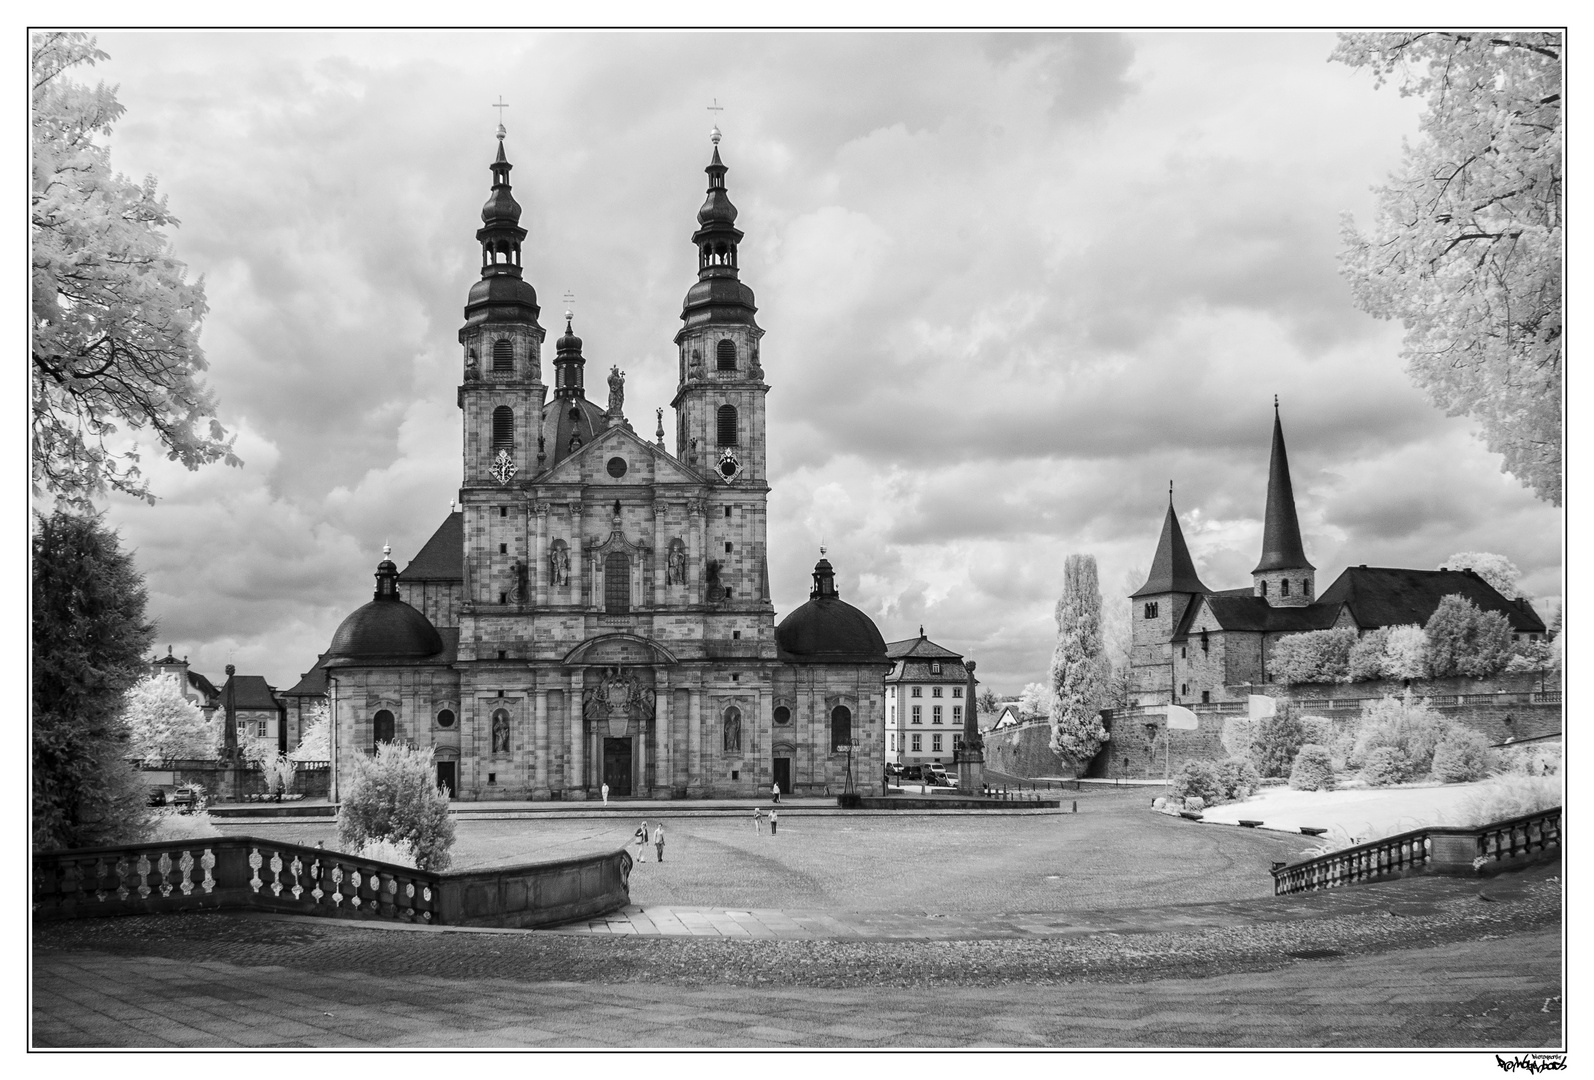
501, 105
714, 134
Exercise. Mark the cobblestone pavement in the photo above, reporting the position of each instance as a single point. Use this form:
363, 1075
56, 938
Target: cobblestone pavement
1425, 962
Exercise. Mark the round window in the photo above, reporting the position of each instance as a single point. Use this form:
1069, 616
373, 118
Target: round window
782, 715
445, 718
617, 467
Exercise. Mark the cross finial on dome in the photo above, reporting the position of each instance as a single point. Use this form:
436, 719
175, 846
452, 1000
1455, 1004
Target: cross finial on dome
714, 132
501, 105
1275, 403
387, 550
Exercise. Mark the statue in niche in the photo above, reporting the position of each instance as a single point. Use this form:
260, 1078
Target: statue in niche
522, 585
694, 369
559, 564
716, 591
500, 732
755, 371
733, 730
472, 372
616, 391
675, 574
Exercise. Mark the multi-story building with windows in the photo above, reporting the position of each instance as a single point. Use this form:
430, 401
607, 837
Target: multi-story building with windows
924, 702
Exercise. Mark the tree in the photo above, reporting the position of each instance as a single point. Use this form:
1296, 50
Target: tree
1368, 657
989, 703
1463, 756
315, 738
90, 639
1406, 653
1465, 641
1276, 739
1466, 248
1035, 701
1079, 671
1315, 656
394, 796
1500, 572
1313, 769
115, 324
163, 724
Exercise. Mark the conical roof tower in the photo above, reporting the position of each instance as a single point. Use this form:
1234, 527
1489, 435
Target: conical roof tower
1282, 576
1172, 570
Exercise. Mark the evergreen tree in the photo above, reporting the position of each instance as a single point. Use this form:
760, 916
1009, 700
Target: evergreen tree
90, 639
1277, 739
1078, 675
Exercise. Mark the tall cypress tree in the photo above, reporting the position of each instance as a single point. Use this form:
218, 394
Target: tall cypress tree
1079, 670
90, 641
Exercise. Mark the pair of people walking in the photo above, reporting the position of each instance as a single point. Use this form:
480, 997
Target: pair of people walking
641, 837
759, 814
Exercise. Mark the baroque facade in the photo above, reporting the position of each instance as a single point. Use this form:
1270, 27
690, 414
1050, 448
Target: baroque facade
1195, 645
597, 609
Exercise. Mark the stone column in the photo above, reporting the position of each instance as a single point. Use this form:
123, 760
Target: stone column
970, 758
661, 552
696, 511
576, 774
541, 745
540, 573
694, 742
664, 785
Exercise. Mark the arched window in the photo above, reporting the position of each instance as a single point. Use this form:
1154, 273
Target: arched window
1306, 587
617, 583
727, 425
733, 730
841, 728
503, 355
382, 725
1284, 586
725, 352
503, 429
1264, 588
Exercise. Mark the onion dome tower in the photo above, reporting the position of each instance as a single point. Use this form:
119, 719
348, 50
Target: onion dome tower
569, 420
1282, 576
719, 401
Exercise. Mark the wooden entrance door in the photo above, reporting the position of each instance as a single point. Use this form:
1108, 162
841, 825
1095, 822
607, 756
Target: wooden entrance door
617, 765
445, 777
783, 774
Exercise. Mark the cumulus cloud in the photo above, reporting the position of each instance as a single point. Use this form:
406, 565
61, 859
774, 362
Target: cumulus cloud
1012, 283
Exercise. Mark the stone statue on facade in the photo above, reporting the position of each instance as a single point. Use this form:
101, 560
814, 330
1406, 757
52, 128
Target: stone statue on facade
472, 372
712, 586
559, 564
500, 732
522, 585
616, 392
676, 572
733, 730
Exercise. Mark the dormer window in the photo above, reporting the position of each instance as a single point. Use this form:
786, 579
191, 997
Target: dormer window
935, 667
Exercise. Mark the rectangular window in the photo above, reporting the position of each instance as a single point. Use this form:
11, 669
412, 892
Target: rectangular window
957, 691
957, 714
727, 511
957, 742
935, 691
918, 714
1151, 609
893, 738
893, 716
935, 743
918, 691
260, 729
503, 511
1206, 697
918, 744
503, 549
935, 715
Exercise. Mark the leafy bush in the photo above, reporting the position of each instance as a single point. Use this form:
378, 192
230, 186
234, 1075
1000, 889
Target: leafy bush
1312, 771
1508, 797
1384, 766
1406, 653
1315, 656
394, 796
168, 823
1404, 724
1195, 802
1276, 740
1532, 759
1368, 659
1238, 779
1465, 641
1462, 756
1197, 779
1338, 736
387, 850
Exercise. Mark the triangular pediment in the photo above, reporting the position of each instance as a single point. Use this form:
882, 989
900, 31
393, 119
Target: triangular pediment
643, 463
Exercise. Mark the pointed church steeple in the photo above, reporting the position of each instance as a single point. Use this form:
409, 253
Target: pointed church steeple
1172, 570
1282, 576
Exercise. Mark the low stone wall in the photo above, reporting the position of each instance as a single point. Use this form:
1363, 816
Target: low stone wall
1025, 750
311, 779
540, 894
1138, 746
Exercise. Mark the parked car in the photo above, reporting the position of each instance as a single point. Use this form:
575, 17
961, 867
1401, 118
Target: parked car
187, 799
913, 772
156, 797
936, 775
895, 768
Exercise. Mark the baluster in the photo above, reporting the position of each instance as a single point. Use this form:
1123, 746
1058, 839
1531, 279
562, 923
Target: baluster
276, 873
186, 866
70, 887
337, 885
426, 894
255, 863
207, 862
296, 868
388, 889
143, 876
315, 881
404, 900
165, 867
354, 892
101, 872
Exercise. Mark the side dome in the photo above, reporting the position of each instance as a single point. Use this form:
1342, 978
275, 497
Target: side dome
385, 629
828, 630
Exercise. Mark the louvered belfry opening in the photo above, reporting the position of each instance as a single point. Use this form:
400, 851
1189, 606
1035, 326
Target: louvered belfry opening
503, 355
617, 583
503, 429
726, 354
727, 425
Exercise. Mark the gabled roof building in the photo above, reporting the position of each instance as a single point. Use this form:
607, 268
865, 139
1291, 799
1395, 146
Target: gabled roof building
1191, 644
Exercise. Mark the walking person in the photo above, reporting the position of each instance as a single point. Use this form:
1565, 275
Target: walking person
605, 793
774, 791
641, 836
774, 820
758, 819
658, 840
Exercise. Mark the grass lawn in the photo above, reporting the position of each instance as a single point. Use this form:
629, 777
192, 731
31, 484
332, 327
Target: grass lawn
1113, 853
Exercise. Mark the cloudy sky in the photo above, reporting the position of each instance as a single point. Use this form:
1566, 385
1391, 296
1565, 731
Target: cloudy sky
1012, 285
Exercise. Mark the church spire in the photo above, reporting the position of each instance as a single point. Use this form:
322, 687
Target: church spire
718, 297
1172, 570
1281, 531
501, 295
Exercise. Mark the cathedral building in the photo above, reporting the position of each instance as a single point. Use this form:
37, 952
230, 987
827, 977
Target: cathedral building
1194, 645
597, 609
